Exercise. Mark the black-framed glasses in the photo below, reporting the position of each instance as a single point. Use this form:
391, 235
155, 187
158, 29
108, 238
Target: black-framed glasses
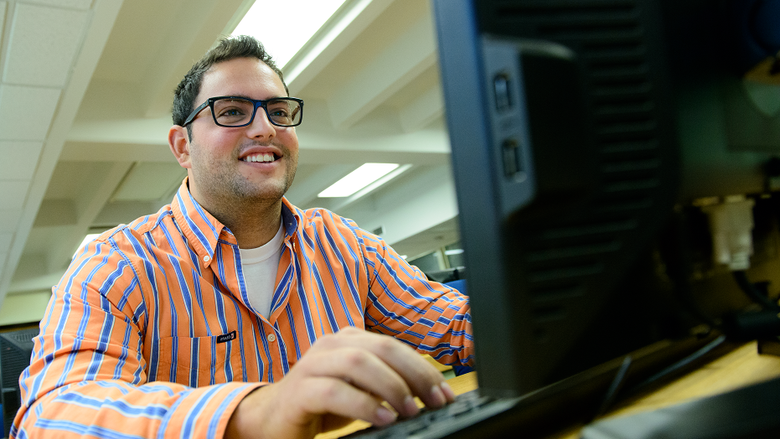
236, 111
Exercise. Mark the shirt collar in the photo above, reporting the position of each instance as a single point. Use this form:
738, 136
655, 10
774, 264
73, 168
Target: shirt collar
290, 217
203, 230
198, 225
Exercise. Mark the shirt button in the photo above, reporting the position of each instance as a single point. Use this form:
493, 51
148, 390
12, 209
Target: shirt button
271, 338
206, 258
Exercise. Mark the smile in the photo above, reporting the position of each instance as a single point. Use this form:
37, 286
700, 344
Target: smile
260, 158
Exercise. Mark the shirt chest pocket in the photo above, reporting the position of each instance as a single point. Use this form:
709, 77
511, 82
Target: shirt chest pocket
200, 361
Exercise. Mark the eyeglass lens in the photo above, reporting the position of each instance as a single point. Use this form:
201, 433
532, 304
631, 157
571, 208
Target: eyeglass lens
232, 112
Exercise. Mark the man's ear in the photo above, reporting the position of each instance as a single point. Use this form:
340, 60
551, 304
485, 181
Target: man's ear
178, 140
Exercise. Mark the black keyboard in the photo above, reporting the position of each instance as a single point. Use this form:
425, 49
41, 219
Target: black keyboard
468, 409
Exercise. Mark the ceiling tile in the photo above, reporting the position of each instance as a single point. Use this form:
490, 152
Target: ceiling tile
13, 193
5, 242
3, 7
43, 44
26, 112
73, 4
9, 219
19, 159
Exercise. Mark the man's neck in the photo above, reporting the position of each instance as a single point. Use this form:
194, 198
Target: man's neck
253, 221
255, 228
253, 224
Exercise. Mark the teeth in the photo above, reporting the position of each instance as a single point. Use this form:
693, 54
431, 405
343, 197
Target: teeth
266, 157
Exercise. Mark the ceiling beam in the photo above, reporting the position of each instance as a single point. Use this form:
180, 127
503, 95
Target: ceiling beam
123, 212
130, 152
151, 131
425, 109
205, 18
42, 282
397, 65
424, 142
108, 152
89, 205
352, 18
419, 147
9, 219
54, 213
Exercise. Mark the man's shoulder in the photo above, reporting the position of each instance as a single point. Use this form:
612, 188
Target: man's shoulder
325, 218
316, 222
123, 235
117, 256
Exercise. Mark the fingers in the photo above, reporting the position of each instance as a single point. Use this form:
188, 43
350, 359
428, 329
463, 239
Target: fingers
396, 370
343, 376
366, 371
303, 408
336, 397
424, 380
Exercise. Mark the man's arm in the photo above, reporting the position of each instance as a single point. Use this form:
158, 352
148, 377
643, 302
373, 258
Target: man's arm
342, 377
88, 375
431, 317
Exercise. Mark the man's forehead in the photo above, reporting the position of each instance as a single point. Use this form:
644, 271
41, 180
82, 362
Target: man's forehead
240, 76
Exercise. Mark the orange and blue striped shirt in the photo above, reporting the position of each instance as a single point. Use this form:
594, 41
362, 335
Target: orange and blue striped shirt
150, 332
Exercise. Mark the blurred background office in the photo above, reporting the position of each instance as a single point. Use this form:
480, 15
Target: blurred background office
85, 98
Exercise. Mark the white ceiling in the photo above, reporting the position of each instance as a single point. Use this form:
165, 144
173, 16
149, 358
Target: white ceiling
85, 103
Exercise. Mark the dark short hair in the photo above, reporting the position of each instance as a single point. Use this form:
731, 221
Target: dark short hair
242, 46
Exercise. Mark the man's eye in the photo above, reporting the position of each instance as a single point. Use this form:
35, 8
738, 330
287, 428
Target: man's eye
279, 113
231, 112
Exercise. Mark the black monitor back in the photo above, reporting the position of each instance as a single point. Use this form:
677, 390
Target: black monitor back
15, 350
565, 120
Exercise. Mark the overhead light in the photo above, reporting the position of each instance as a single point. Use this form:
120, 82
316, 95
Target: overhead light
455, 251
358, 179
269, 22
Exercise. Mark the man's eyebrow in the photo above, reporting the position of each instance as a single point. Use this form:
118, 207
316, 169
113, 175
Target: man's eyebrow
234, 96
251, 98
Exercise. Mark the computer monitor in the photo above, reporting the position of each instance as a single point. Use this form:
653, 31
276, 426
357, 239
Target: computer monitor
594, 145
15, 351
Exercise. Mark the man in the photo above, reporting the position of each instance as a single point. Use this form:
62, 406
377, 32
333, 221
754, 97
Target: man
174, 326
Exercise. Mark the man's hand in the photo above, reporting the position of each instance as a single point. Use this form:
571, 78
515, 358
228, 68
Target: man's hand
343, 376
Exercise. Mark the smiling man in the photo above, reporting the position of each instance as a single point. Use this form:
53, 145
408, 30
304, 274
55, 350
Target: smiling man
231, 312
240, 172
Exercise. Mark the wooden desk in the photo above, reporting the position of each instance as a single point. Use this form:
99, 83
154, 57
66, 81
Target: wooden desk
739, 368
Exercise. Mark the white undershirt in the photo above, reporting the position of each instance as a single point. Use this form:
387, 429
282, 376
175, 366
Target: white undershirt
260, 265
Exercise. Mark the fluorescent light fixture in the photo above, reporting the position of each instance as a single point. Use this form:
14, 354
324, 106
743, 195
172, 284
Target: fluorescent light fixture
455, 251
285, 26
358, 179
85, 241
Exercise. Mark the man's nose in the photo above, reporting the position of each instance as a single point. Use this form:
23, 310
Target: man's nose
261, 126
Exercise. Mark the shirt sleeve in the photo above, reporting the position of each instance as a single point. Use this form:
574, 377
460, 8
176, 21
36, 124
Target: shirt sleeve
429, 316
87, 375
